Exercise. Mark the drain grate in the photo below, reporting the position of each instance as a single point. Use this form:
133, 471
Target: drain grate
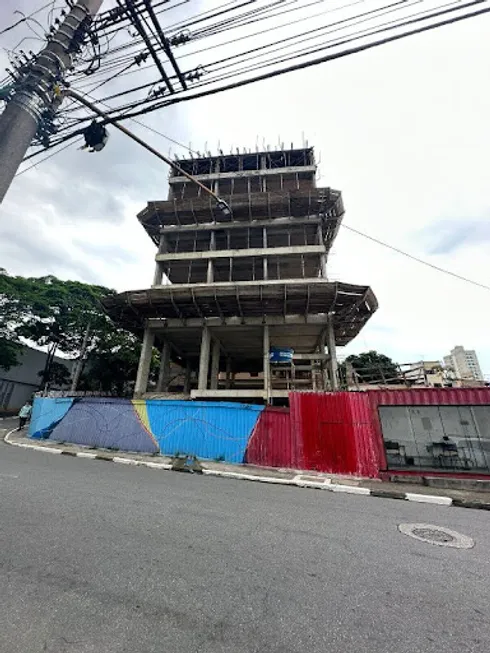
437, 535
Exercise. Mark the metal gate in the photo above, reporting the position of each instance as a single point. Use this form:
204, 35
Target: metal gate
437, 437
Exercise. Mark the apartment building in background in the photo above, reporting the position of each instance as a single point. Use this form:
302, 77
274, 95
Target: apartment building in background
464, 363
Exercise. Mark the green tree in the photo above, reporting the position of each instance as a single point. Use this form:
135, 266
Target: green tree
55, 314
373, 367
57, 374
9, 353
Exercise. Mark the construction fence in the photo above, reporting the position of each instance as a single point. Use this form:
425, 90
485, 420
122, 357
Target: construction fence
355, 433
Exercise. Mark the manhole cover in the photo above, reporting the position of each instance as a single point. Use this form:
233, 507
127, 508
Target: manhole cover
437, 535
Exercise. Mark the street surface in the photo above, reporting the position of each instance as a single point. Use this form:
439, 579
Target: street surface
103, 558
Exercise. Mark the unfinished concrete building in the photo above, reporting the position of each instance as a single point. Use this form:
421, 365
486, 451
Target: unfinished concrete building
229, 290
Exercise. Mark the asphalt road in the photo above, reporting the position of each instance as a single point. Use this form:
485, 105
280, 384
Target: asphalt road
97, 557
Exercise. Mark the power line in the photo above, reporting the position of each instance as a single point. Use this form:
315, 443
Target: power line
303, 65
25, 18
415, 258
21, 172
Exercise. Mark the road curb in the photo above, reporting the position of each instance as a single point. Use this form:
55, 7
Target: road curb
297, 481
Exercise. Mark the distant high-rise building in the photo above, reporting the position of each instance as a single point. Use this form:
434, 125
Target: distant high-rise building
464, 363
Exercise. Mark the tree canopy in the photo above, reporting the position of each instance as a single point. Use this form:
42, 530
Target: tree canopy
373, 367
56, 314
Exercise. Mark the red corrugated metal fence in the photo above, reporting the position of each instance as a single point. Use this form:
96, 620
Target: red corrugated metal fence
272, 443
340, 432
337, 432
330, 432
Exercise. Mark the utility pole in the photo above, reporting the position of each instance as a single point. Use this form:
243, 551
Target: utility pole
35, 92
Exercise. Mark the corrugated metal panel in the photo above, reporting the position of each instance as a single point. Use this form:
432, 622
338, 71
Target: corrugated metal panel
272, 443
369, 444
431, 397
46, 413
105, 423
213, 430
337, 432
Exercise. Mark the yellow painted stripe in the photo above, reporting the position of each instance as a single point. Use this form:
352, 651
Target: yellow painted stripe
139, 406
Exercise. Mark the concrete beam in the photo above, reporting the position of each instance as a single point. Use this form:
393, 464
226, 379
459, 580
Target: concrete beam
242, 253
271, 320
241, 224
244, 285
244, 174
236, 394
313, 357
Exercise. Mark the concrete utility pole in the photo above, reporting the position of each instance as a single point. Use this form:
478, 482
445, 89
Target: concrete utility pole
36, 92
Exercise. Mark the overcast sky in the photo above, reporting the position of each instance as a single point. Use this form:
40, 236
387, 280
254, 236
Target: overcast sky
403, 131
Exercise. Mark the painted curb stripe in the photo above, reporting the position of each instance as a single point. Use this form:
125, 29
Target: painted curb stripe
427, 498
156, 465
351, 489
125, 461
297, 481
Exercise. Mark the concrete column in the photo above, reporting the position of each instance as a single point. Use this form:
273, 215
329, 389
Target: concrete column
212, 247
215, 364
164, 373
216, 183
144, 363
158, 276
323, 257
187, 377
267, 364
264, 244
228, 373
323, 364
202, 382
314, 376
332, 352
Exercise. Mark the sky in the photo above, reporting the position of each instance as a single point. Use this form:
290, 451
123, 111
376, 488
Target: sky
401, 130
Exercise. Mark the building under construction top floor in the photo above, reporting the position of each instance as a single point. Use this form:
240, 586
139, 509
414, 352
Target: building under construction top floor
241, 306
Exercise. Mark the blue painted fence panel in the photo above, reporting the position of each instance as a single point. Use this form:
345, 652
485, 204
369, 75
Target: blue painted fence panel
46, 413
105, 423
213, 430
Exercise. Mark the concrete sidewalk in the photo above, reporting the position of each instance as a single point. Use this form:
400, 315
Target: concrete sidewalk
307, 479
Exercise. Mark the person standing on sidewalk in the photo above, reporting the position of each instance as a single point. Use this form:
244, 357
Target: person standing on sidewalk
24, 414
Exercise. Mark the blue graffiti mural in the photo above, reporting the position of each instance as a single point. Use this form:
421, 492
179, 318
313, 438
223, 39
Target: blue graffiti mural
46, 414
212, 430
